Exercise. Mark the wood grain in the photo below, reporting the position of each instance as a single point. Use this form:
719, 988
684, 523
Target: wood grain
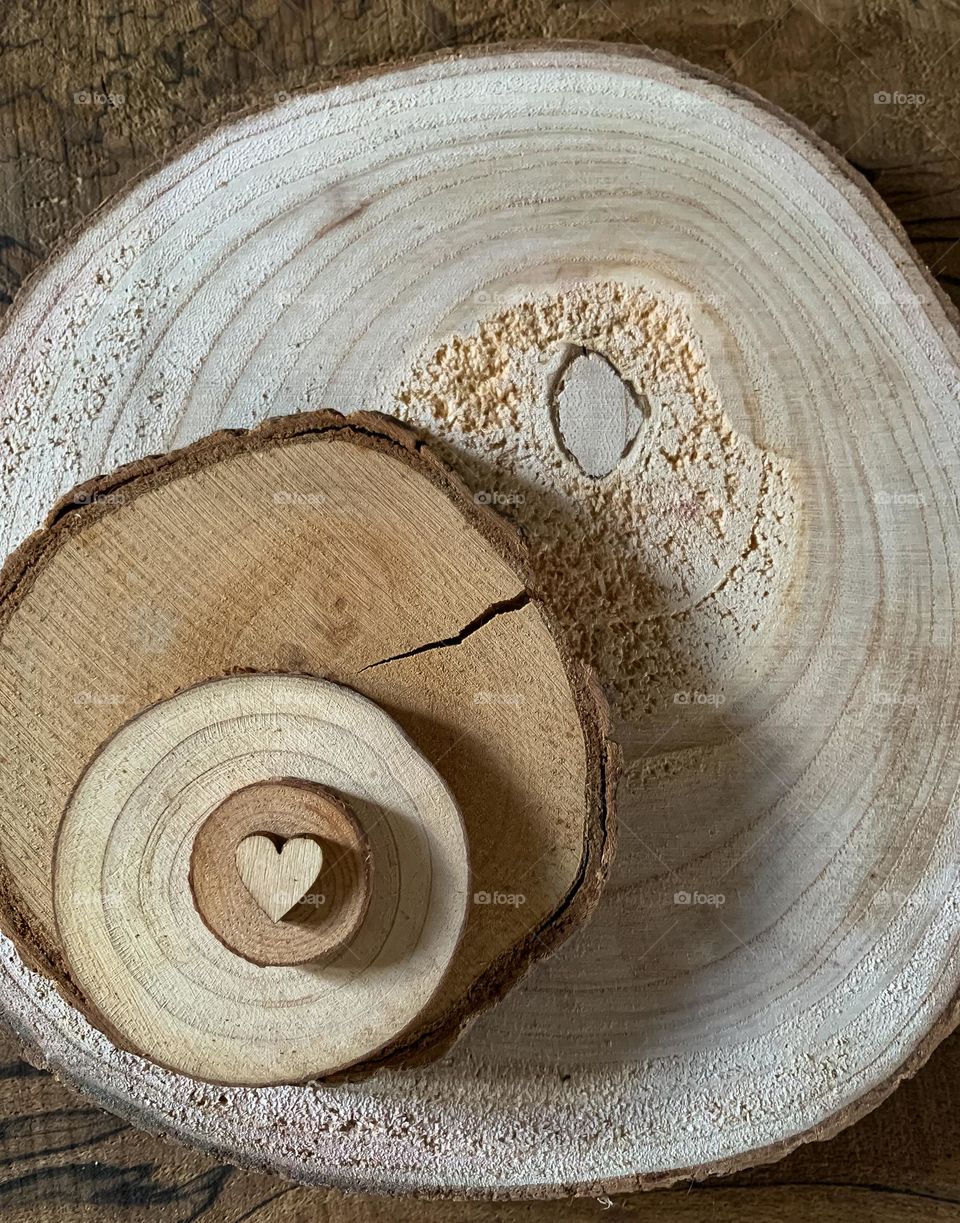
390, 554
65, 1159
140, 955
182, 68
308, 927
278, 877
94, 95
817, 530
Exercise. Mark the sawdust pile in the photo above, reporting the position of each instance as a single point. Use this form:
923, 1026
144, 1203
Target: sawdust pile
667, 569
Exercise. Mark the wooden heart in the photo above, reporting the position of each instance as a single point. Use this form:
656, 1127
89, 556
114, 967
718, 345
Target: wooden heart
278, 879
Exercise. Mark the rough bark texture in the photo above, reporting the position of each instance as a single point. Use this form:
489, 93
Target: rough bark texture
178, 69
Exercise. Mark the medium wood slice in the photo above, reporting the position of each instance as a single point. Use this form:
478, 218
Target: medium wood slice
149, 964
313, 546
755, 544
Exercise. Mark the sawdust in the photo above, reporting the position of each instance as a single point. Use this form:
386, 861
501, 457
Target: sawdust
668, 569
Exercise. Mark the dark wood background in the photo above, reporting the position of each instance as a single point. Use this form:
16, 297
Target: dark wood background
91, 95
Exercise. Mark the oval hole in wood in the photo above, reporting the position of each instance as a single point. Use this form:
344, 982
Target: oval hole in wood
595, 413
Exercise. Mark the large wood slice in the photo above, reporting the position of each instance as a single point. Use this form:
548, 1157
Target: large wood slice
677, 340
148, 765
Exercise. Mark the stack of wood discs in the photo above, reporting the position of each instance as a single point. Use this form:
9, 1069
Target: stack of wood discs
257, 826
679, 342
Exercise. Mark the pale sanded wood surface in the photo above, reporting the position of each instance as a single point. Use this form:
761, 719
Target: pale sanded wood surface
278, 876
822, 62
142, 958
67, 1160
596, 415
778, 944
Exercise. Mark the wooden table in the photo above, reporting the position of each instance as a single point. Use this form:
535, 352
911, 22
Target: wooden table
94, 95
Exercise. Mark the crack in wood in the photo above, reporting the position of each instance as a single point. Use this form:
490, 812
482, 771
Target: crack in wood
499, 608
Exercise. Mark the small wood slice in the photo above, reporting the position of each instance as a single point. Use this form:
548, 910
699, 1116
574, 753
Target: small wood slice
313, 546
241, 892
149, 965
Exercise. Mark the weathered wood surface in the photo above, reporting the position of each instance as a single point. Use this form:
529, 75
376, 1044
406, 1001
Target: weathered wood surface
178, 69
761, 581
65, 1160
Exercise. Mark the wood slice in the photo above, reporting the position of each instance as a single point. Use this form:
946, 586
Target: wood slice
763, 580
257, 909
140, 768
141, 953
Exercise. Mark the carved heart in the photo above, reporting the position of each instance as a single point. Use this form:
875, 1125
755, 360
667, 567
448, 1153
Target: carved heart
278, 879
